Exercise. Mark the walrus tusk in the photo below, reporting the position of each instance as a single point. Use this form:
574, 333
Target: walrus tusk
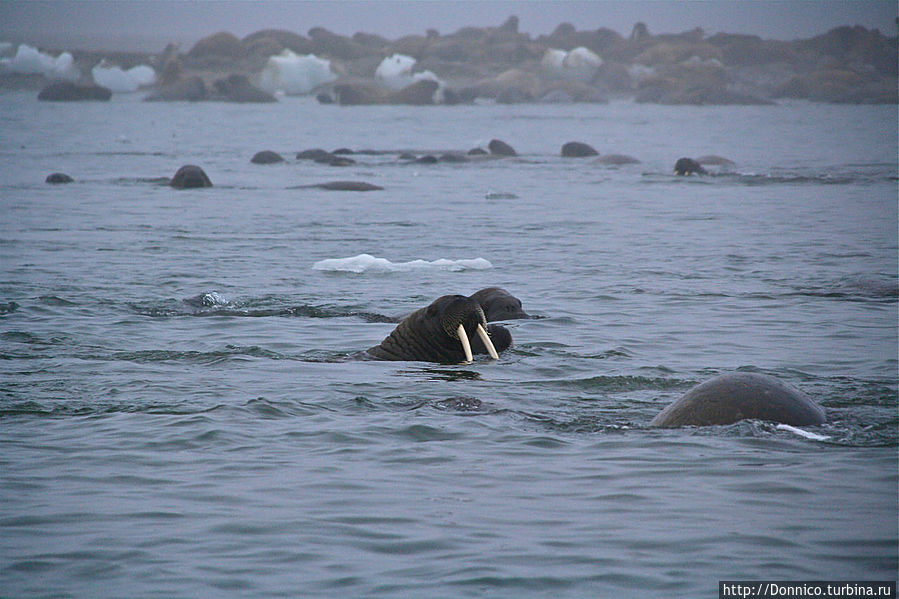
487, 342
466, 346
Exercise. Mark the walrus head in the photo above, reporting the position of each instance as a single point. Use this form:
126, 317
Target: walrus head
441, 332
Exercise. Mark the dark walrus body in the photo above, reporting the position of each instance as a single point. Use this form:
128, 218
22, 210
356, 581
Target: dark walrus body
190, 176
733, 397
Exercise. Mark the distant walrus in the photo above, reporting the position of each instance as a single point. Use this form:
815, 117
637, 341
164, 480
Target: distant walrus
189, 176
688, 166
58, 178
498, 147
739, 396
266, 157
578, 149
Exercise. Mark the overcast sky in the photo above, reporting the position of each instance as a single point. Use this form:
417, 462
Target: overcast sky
102, 22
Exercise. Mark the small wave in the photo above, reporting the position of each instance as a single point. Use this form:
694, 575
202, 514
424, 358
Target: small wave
8, 307
853, 287
368, 263
196, 357
214, 304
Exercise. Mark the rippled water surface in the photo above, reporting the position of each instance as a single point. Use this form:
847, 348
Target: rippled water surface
183, 412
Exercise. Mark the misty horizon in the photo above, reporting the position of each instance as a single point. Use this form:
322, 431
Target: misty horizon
138, 25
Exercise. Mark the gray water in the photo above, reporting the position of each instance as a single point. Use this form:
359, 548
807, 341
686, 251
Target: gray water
182, 413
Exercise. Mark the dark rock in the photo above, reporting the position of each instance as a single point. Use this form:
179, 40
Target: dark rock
344, 151
688, 166
191, 89
477, 152
577, 149
325, 98
190, 176
58, 178
237, 88
66, 91
266, 157
357, 94
500, 148
420, 93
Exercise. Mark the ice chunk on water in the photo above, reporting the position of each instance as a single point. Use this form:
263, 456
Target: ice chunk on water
368, 263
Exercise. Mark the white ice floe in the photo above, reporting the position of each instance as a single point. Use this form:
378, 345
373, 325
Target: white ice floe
120, 81
368, 263
395, 72
31, 60
294, 74
802, 433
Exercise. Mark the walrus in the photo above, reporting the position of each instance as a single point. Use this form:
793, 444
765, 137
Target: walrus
266, 157
188, 176
498, 147
441, 332
58, 178
739, 396
578, 149
688, 166
499, 304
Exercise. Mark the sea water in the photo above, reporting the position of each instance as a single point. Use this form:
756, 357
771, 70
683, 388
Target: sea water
183, 412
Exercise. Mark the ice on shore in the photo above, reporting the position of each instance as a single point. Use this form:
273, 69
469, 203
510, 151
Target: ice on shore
295, 75
395, 72
368, 263
31, 60
122, 81
580, 63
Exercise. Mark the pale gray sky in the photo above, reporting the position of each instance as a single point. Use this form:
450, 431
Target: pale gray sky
100, 23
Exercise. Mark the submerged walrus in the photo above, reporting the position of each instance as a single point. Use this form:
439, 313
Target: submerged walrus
499, 304
739, 396
442, 332
190, 176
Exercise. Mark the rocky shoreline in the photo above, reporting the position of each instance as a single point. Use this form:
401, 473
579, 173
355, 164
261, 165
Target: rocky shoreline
502, 65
